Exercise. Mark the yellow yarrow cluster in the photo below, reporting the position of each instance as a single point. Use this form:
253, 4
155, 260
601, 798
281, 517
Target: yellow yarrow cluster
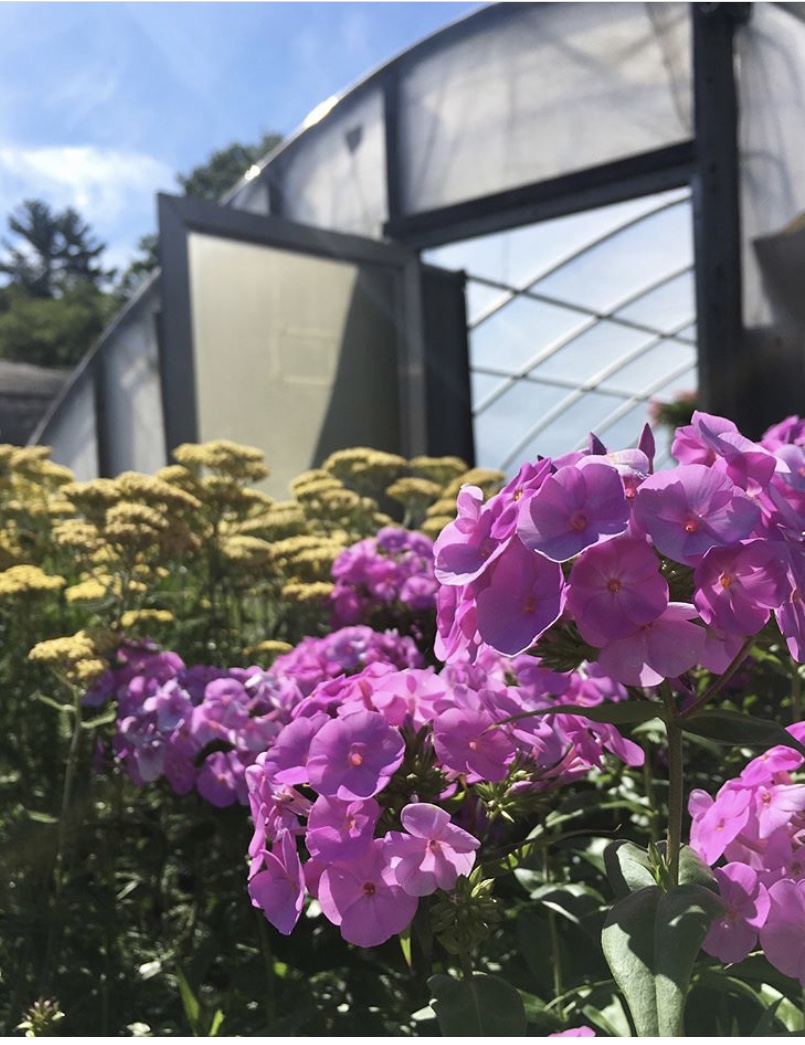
76, 658
224, 458
27, 580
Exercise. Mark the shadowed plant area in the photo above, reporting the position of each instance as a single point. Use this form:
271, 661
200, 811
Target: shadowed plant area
418, 750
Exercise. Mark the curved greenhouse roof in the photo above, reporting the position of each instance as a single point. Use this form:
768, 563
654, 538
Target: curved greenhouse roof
618, 234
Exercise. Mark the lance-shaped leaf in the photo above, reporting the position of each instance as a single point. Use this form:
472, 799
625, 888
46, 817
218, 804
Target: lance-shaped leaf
735, 727
482, 1006
628, 867
651, 939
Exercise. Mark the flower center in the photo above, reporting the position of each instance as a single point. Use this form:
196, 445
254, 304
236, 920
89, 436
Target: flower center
692, 525
369, 888
356, 758
725, 580
614, 585
578, 521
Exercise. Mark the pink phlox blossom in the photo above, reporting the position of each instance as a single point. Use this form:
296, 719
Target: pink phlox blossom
355, 756
734, 934
338, 830
465, 548
528, 480
469, 743
772, 767
790, 430
776, 804
362, 898
614, 588
665, 648
285, 762
408, 696
456, 624
782, 936
279, 890
522, 599
691, 509
590, 740
431, 852
715, 823
737, 587
695, 443
573, 509
574, 1032
220, 779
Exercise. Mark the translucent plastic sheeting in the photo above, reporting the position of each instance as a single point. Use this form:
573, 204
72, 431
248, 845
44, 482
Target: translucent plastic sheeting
135, 437
548, 89
771, 99
72, 430
337, 180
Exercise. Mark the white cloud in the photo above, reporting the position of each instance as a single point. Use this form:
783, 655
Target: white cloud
111, 189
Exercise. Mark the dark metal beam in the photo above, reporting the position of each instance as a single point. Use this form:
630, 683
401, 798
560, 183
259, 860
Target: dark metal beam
640, 175
716, 211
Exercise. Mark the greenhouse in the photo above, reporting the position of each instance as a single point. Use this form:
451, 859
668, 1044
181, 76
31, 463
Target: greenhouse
530, 225
377, 660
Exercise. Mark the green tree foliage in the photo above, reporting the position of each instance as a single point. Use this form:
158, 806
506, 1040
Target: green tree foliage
53, 305
225, 168
52, 331
51, 252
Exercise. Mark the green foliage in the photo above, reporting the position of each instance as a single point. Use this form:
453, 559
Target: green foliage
478, 1006
50, 252
52, 331
224, 168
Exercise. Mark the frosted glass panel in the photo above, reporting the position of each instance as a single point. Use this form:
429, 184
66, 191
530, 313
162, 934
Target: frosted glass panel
285, 346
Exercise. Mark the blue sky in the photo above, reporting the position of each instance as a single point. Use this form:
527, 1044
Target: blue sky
101, 104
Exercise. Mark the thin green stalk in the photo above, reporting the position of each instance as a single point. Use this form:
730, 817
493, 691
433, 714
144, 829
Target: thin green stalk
721, 681
269, 1000
61, 839
676, 786
796, 692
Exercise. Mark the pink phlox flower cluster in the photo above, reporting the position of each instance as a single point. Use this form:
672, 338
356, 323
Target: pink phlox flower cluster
392, 570
757, 824
586, 539
344, 651
324, 780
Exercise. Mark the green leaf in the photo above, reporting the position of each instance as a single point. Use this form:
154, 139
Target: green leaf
628, 942
100, 720
65, 709
736, 728
628, 867
190, 1003
215, 1025
651, 939
622, 713
684, 915
483, 1005
42, 818
694, 871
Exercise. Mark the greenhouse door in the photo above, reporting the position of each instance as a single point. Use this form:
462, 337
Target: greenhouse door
302, 341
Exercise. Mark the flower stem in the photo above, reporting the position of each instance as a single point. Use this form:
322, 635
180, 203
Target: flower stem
719, 683
676, 788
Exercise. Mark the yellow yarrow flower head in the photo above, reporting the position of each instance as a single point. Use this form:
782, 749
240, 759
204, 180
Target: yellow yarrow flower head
441, 470
224, 458
307, 593
25, 580
76, 658
141, 620
365, 470
489, 480
268, 650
